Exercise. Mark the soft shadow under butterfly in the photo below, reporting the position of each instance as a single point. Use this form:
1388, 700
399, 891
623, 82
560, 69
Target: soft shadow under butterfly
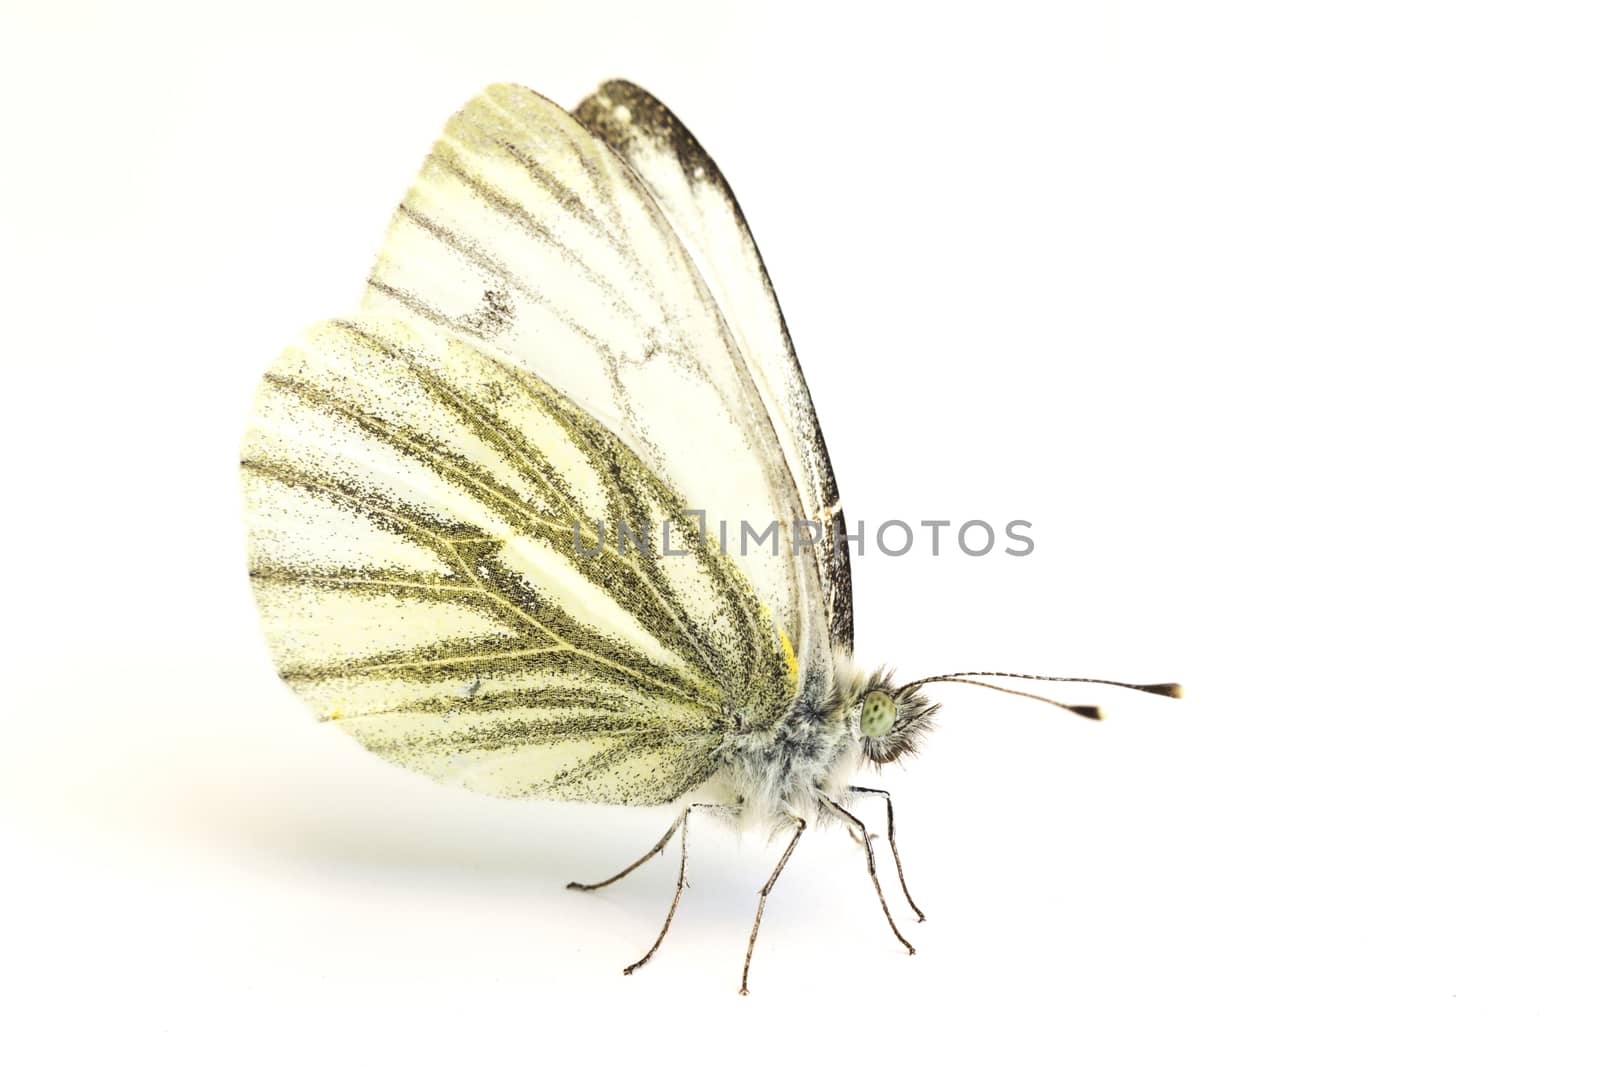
569, 331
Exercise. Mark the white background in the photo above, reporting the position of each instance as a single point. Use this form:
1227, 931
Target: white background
1278, 321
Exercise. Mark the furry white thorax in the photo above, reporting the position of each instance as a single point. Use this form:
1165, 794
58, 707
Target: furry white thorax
771, 773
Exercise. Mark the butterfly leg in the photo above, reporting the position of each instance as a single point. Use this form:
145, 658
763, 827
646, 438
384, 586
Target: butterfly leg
681, 823
677, 894
641, 861
761, 906
872, 868
894, 849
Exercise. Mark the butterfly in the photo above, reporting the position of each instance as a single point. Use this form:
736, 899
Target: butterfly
480, 509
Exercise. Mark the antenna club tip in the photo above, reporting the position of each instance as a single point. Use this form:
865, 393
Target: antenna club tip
1165, 689
1088, 711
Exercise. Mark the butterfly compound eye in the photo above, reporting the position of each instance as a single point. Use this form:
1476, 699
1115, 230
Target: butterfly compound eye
877, 714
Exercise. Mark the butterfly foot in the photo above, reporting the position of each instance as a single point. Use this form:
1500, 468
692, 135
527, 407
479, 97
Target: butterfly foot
636, 964
858, 839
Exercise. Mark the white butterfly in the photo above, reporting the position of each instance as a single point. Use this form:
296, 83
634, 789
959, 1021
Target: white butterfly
569, 335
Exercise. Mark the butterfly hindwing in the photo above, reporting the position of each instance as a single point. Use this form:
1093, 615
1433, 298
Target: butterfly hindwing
411, 501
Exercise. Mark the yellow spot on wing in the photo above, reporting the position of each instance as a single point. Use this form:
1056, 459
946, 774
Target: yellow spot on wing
789, 657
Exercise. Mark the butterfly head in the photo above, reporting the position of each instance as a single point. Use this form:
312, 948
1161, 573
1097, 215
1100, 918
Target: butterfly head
891, 722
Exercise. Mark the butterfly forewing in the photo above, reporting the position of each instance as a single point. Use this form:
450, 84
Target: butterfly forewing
529, 236
692, 193
412, 499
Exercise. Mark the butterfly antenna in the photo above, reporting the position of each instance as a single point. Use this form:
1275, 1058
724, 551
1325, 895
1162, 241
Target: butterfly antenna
1088, 711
